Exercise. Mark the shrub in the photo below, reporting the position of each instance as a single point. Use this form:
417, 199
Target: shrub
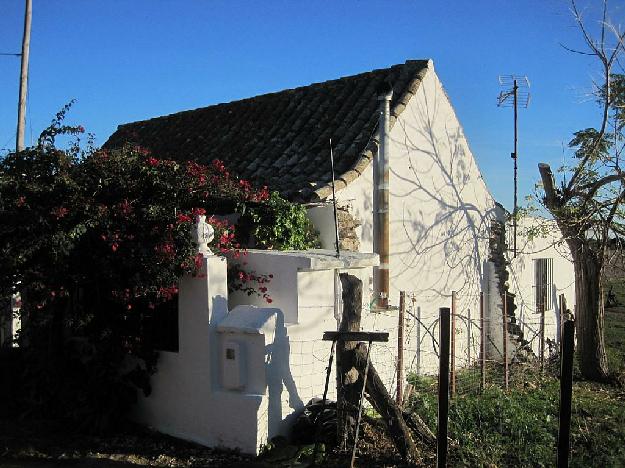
94, 238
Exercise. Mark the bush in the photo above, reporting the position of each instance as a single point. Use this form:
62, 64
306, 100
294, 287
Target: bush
93, 240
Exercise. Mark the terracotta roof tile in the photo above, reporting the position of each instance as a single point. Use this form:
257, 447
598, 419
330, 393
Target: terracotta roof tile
282, 139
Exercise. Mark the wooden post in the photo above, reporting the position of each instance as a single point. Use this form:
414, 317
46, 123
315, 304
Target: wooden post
400, 348
347, 392
21, 105
566, 391
418, 339
453, 344
560, 322
482, 344
469, 330
443, 389
563, 317
505, 340
385, 405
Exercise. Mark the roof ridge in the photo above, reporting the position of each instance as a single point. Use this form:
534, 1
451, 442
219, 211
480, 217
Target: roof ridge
286, 90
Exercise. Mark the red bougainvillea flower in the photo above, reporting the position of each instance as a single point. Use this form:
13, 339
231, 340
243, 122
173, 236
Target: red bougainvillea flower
153, 162
142, 150
59, 212
219, 165
166, 249
183, 218
125, 207
168, 293
198, 211
262, 194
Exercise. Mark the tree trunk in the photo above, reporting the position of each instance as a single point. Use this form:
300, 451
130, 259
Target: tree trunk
589, 315
588, 266
348, 384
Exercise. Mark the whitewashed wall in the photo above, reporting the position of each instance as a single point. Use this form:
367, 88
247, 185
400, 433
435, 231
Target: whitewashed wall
278, 361
548, 244
441, 212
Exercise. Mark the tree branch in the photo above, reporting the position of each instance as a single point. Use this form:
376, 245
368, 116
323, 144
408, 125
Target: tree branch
588, 191
551, 199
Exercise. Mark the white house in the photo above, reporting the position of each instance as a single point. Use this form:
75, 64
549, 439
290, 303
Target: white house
408, 188
442, 220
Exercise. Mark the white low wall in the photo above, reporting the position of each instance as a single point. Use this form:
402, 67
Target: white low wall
244, 372
187, 400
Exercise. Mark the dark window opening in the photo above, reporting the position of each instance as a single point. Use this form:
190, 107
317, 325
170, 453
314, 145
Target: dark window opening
543, 283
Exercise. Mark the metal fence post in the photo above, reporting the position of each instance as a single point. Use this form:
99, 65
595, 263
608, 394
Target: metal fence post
443, 389
482, 344
505, 340
542, 337
566, 391
453, 344
400, 348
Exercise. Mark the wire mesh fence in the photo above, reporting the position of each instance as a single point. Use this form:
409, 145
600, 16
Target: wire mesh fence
498, 354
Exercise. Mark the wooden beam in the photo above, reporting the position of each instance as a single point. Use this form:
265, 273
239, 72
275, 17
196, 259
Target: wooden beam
355, 336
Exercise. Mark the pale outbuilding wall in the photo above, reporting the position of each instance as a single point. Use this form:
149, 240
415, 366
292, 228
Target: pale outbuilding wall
539, 238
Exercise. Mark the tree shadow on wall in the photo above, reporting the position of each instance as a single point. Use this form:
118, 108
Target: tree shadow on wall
446, 209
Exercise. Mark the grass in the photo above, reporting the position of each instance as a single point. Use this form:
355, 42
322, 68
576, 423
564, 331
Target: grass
520, 427
615, 328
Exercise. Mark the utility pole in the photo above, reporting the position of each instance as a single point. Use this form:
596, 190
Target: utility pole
21, 107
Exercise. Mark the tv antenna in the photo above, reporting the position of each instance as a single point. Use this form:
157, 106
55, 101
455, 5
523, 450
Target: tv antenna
515, 93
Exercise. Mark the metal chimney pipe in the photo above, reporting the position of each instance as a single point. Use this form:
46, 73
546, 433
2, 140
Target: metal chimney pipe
381, 243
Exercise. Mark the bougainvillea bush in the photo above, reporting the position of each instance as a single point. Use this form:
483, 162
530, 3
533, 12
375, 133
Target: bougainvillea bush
93, 239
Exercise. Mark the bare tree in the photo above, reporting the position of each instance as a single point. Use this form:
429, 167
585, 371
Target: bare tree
588, 207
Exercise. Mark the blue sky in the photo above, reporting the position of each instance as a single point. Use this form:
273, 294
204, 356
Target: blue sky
135, 59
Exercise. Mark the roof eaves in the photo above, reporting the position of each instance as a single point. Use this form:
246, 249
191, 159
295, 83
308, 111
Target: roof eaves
371, 149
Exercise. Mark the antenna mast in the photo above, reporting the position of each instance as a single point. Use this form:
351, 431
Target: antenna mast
516, 93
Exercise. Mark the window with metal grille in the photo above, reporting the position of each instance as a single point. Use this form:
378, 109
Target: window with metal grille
543, 283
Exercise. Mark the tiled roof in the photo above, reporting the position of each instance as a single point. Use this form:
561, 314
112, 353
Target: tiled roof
282, 139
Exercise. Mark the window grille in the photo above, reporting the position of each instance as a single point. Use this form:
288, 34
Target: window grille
543, 283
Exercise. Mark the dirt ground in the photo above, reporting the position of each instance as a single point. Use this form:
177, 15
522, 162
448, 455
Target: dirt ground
42, 445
